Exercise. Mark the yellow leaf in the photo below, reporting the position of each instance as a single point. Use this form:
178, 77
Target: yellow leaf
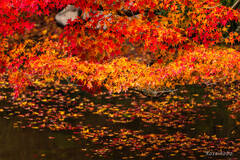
61, 112
44, 32
237, 123
224, 29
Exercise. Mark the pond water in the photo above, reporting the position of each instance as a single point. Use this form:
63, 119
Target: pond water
29, 144
116, 127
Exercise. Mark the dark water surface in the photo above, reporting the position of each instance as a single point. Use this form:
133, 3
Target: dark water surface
18, 142
29, 144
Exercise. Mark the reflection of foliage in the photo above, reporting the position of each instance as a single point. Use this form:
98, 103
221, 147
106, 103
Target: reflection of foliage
187, 123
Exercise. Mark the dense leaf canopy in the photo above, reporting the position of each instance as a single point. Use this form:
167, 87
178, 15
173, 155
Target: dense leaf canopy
184, 39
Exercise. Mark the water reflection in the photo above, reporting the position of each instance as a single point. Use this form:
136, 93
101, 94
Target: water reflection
29, 144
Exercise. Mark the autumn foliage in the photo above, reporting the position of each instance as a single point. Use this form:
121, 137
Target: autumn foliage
182, 37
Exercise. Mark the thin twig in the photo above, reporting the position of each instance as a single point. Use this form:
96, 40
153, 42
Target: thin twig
235, 5
213, 6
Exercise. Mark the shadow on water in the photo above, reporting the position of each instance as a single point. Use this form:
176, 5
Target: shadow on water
28, 144
213, 118
17, 143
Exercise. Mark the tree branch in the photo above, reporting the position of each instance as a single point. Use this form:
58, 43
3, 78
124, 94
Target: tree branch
236, 4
